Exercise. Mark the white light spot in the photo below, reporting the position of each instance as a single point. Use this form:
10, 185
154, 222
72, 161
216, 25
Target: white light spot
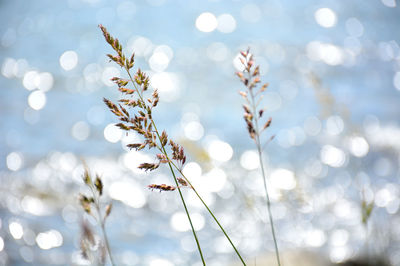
383, 197
389, 3
331, 54
128, 193
20, 68
31, 80
251, 13
206, 22
1, 244
168, 85
160, 262
249, 160
339, 237
133, 159
80, 130
226, 23
69, 60
165, 49
108, 74
46, 81
325, 17
332, 156
158, 61
179, 221
358, 146
339, 254
37, 100
192, 170
334, 125
92, 72
354, 27
396, 80
220, 151
213, 181
141, 46
328, 53
217, 51
316, 238
49, 239
34, 206
237, 63
112, 133
283, 179
193, 130
14, 161
16, 230
7, 69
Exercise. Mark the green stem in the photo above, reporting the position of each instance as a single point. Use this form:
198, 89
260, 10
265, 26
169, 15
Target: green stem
173, 174
102, 225
259, 149
211, 213
180, 194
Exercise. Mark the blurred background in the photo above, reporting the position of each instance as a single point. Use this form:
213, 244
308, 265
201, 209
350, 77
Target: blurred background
334, 97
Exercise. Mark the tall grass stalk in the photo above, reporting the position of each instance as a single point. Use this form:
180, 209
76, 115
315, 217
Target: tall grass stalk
212, 214
144, 124
161, 148
96, 189
250, 77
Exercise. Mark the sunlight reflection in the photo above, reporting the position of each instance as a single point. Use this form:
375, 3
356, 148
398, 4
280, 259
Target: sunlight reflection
69, 60
14, 161
81, 130
16, 230
112, 133
179, 221
128, 192
168, 85
206, 22
325, 17
332, 156
49, 239
220, 150
283, 179
37, 100
249, 160
226, 23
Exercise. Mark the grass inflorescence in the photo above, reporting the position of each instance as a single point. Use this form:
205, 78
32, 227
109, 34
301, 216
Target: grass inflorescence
135, 113
92, 206
250, 77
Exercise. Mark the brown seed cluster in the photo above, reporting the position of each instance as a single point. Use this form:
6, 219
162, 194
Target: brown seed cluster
91, 205
250, 77
141, 121
88, 202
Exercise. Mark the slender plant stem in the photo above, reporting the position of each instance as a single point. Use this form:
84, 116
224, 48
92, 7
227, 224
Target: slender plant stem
180, 194
102, 225
173, 174
259, 149
211, 213
107, 243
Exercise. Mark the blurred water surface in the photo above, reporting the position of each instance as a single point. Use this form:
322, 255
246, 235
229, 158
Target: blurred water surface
334, 74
